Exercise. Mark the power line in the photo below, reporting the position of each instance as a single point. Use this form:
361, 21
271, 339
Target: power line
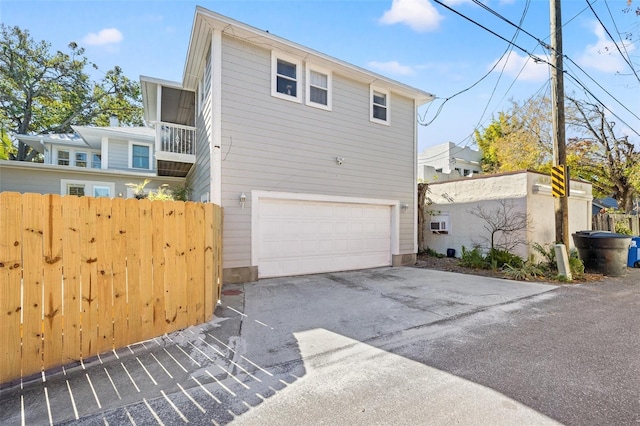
624, 57
535, 58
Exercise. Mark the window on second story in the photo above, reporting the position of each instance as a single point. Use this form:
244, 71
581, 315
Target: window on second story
318, 92
63, 158
140, 156
285, 77
81, 159
379, 106
96, 161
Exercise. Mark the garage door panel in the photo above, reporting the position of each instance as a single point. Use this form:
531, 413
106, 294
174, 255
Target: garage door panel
304, 237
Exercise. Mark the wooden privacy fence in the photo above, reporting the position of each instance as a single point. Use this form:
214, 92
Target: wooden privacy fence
80, 276
608, 221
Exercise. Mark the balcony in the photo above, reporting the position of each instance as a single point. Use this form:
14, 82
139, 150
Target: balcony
175, 149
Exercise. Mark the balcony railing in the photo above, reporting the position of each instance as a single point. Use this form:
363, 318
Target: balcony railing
175, 138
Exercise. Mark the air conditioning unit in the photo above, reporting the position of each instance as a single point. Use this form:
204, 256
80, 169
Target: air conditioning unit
439, 227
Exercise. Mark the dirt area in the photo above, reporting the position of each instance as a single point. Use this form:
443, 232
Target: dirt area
452, 264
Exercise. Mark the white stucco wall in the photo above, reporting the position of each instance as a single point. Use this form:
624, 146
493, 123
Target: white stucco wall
528, 192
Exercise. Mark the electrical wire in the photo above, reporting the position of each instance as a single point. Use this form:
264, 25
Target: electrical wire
624, 57
535, 58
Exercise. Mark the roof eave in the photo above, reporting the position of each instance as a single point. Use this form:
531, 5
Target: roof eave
206, 20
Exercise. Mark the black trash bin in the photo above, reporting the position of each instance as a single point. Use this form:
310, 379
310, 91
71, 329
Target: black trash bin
603, 252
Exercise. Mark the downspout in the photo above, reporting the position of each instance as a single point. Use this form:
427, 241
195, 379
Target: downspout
415, 178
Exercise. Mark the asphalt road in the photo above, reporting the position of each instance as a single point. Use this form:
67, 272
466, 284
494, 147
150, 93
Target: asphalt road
384, 346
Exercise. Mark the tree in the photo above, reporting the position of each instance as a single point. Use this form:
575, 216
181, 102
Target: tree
506, 226
6, 146
609, 161
519, 139
45, 92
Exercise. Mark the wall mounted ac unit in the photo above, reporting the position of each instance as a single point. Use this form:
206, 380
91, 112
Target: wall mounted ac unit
439, 227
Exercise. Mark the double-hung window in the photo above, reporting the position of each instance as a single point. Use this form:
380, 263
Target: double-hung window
285, 75
140, 156
96, 161
82, 188
81, 159
63, 158
379, 106
318, 93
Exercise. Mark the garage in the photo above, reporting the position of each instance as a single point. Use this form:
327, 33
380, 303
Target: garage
298, 236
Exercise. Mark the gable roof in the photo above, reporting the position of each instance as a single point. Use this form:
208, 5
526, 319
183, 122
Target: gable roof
206, 20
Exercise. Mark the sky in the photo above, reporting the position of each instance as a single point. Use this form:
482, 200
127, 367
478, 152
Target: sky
473, 73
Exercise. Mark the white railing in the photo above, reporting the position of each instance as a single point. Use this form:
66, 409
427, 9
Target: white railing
175, 138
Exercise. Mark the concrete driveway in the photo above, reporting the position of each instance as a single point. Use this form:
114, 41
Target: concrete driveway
381, 346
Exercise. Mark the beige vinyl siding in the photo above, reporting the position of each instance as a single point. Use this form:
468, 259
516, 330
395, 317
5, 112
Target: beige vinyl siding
276, 145
198, 178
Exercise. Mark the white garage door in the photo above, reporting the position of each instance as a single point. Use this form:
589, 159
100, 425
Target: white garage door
305, 237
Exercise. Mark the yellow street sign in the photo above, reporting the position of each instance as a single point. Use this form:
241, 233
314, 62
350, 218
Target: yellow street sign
559, 185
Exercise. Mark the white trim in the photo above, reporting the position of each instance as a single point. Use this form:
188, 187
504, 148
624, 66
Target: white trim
104, 148
387, 94
215, 146
329, 88
89, 186
150, 146
258, 195
72, 157
274, 77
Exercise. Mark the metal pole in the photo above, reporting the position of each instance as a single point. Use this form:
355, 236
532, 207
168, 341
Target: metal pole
557, 103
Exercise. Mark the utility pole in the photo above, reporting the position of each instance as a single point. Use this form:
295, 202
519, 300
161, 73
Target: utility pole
557, 103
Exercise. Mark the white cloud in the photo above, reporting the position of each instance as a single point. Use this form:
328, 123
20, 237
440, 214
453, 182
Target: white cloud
419, 15
392, 68
105, 37
522, 67
603, 55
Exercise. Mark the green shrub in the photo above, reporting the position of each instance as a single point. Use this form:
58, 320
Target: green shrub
473, 258
526, 271
622, 228
499, 258
431, 252
576, 266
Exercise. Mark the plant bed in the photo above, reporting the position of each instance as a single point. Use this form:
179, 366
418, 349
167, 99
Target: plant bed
452, 264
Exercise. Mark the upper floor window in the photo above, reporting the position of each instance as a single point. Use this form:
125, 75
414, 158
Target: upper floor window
81, 159
96, 161
379, 106
285, 73
318, 91
140, 156
63, 158
75, 158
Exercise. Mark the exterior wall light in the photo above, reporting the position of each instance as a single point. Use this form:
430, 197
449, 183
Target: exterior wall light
243, 199
404, 207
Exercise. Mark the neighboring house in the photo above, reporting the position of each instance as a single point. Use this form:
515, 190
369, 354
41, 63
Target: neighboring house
94, 161
450, 225
313, 159
448, 161
601, 204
